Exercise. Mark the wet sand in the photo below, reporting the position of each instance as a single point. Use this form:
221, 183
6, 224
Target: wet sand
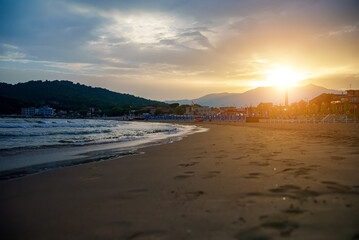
237, 181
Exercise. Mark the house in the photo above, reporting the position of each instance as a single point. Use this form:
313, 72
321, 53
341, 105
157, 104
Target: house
353, 96
342, 102
42, 111
46, 111
151, 110
28, 112
199, 110
163, 109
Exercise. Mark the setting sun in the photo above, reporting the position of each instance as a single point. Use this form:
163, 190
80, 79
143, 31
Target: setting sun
284, 76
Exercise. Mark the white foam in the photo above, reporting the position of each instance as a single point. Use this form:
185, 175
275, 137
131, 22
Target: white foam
25, 133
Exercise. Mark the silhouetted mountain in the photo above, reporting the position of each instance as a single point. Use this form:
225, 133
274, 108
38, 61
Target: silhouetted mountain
65, 95
255, 96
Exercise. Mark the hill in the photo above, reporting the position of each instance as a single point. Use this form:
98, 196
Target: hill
255, 96
65, 95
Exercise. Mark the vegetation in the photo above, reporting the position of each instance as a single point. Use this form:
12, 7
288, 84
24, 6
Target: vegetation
68, 96
180, 109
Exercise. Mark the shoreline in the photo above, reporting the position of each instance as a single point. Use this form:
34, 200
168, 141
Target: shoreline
18, 163
250, 181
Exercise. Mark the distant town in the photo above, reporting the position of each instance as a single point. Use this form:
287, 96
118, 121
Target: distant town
325, 107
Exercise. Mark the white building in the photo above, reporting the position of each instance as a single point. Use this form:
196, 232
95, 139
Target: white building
28, 112
43, 111
197, 110
46, 111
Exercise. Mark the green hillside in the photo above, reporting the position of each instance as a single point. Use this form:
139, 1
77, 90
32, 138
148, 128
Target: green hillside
65, 95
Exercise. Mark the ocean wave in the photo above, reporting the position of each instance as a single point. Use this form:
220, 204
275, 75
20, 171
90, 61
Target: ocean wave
49, 125
75, 142
54, 133
38, 133
40, 123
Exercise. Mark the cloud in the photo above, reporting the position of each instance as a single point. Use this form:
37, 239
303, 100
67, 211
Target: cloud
348, 29
190, 44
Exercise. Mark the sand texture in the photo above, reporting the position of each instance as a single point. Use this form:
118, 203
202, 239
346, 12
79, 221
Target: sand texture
237, 181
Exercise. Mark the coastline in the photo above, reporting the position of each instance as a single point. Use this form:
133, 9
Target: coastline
236, 181
22, 162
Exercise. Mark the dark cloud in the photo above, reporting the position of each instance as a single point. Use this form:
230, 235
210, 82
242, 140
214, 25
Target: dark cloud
177, 40
46, 30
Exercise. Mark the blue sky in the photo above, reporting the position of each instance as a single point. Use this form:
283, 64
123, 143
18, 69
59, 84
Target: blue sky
169, 49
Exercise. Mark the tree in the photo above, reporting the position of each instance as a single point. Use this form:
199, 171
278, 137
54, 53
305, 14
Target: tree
180, 110
323, 108
346, 106
302, 107
67, 96
335, 108
174, 105
158, 112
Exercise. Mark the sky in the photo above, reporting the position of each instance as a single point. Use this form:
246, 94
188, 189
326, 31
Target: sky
177, 49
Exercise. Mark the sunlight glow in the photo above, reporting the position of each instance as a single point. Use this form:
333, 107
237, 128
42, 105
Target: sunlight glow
284, 76
281, 76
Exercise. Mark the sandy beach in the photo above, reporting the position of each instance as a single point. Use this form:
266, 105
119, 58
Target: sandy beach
236, 181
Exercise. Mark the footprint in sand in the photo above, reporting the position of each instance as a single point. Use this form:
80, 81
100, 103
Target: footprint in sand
296, 172
259, 164
92, 177
190, 164
130, 194
337, 158
264, 231
210, 174
284, 227
150, 234
241, 157
193, 195
294, 210
185, 175
294, 164
218, 163
204, 152
276, 153
188, 196
337, 187
254, 175
266, 155
252, 234
294, 192
240, 221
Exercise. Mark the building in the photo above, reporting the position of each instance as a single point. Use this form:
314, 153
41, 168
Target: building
28, 112
163, 109
154, 110
43, 111
225, 109
340, 102
199, 110
286, 97
46, 111
353, 96
232, 111
150, 109
265, 108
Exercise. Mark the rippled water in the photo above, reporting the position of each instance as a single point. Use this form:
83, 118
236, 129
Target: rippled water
37, 133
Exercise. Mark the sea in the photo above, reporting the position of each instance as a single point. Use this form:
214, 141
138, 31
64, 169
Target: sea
32, 145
